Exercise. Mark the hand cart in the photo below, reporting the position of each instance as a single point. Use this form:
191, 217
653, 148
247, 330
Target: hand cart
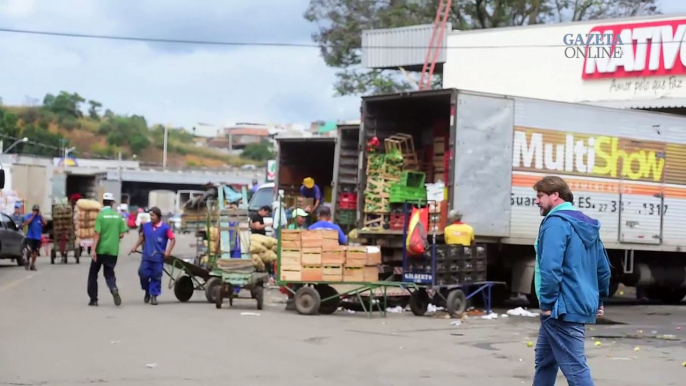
63, 235
233, 269
322, 297
447, 275
184, 277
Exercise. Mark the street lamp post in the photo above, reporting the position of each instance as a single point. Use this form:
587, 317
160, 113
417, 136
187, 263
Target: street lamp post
15, 144
66, 154
164, 156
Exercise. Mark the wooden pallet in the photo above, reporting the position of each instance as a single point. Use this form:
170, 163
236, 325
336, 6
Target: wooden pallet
372, 220
383, 203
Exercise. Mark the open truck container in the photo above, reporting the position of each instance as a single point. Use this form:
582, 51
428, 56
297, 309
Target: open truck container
301, 157
626, 168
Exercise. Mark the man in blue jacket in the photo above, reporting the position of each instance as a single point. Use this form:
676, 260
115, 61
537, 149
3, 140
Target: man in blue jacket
572, 277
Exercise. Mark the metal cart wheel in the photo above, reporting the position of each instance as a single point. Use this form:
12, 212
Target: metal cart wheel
258, 294
307, 301
218, 295
419, 302
210, 287
330, 306
456, 303
183, 288
53, 255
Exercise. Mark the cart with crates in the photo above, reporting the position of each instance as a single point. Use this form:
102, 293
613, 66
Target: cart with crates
446, 275
319, 273
63, 235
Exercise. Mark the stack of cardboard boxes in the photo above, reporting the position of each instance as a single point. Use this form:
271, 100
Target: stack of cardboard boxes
315, 256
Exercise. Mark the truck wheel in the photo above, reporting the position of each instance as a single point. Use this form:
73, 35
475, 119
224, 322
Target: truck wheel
419, 302
258, 295
20, 261
456, 303
673, 296
614, 286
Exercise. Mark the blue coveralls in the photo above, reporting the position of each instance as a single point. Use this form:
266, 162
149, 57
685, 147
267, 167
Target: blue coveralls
150, 271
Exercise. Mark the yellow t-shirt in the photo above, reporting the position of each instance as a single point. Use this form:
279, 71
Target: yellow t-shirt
459, 234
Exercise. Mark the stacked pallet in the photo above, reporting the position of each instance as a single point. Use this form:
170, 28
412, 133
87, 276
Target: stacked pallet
62, 219
383, 171
315, 256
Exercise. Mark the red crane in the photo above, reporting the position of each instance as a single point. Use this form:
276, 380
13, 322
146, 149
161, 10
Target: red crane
434, 44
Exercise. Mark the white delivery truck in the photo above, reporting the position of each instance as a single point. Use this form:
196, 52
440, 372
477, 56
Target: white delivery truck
626, 168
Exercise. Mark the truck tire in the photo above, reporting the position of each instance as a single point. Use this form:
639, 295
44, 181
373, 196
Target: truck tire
673, 296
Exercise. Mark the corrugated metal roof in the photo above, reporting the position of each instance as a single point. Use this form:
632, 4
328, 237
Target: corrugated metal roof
400, 47
655, 103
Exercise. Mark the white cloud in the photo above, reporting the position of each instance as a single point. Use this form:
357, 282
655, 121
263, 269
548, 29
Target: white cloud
183, 86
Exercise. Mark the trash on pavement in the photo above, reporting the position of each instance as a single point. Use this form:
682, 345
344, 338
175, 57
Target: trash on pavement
519, 311
250, 314
597, 343
151, 365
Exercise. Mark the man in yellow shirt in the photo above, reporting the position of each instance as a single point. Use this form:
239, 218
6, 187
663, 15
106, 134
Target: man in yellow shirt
458, 233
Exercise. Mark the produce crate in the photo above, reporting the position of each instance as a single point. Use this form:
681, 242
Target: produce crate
348, 201
412, 179
400, 194
346, 217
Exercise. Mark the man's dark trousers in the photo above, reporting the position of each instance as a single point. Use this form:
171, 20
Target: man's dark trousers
107, 262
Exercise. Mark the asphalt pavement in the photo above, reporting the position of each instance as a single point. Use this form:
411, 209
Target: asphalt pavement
49, 336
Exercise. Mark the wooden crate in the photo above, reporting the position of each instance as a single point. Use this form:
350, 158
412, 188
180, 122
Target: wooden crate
374, 258
332, 273
334, 258
311, 256
290, 244
291, 257
312, 273
353, 274
330, 242
290, 235
312, 243
328, 234
371, 273
310, 235
291, 275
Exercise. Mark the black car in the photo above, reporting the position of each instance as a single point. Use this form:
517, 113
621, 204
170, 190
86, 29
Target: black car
11, 240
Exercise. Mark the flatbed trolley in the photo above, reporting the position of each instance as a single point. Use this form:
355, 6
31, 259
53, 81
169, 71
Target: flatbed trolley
321, 297
63, 235
429, 290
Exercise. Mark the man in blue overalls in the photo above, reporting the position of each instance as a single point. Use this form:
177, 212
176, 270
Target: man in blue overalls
158, 241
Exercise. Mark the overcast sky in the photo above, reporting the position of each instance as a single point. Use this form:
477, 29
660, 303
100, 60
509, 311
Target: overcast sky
180, 84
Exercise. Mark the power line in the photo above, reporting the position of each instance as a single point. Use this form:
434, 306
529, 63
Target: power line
294, 45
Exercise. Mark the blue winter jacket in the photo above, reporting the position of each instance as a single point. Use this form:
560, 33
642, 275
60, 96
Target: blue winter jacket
572, 265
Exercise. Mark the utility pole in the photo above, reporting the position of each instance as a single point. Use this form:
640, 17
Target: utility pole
164, 156
120, 179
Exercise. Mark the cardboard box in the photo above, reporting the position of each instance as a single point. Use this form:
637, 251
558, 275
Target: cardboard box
333, 273
312, 273
355, 274
371, 273
373, 255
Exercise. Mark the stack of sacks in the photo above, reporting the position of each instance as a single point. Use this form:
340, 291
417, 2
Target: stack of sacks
214, 239
85, 213
262, 250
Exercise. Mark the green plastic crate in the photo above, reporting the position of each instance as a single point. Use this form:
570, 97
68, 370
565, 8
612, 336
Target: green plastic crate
345, 217
412, 179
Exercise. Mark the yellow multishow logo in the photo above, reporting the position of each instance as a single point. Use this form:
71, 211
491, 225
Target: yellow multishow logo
602, 156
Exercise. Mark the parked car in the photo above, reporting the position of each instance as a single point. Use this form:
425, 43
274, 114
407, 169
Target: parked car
11, 240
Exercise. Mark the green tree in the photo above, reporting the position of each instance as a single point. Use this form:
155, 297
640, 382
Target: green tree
258, 151
93, 110
9, 124
341, 22
42, 142
64, 104
138, 142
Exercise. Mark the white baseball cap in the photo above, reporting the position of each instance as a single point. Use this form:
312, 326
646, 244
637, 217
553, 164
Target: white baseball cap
108, 197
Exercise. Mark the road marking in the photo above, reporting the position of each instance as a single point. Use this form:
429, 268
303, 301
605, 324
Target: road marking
14, 283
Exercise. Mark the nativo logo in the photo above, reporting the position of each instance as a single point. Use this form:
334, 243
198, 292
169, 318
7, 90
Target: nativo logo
647, 49
593, 155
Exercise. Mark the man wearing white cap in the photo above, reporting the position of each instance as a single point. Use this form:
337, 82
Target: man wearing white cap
109, 229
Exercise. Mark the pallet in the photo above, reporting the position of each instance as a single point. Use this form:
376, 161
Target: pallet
372, 220
384, 204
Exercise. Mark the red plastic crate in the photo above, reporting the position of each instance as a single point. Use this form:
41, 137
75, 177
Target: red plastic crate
348, 201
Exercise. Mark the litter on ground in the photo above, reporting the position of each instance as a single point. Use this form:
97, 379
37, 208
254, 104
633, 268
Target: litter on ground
519, 311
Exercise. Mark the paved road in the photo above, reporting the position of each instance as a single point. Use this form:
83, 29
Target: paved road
48, 336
